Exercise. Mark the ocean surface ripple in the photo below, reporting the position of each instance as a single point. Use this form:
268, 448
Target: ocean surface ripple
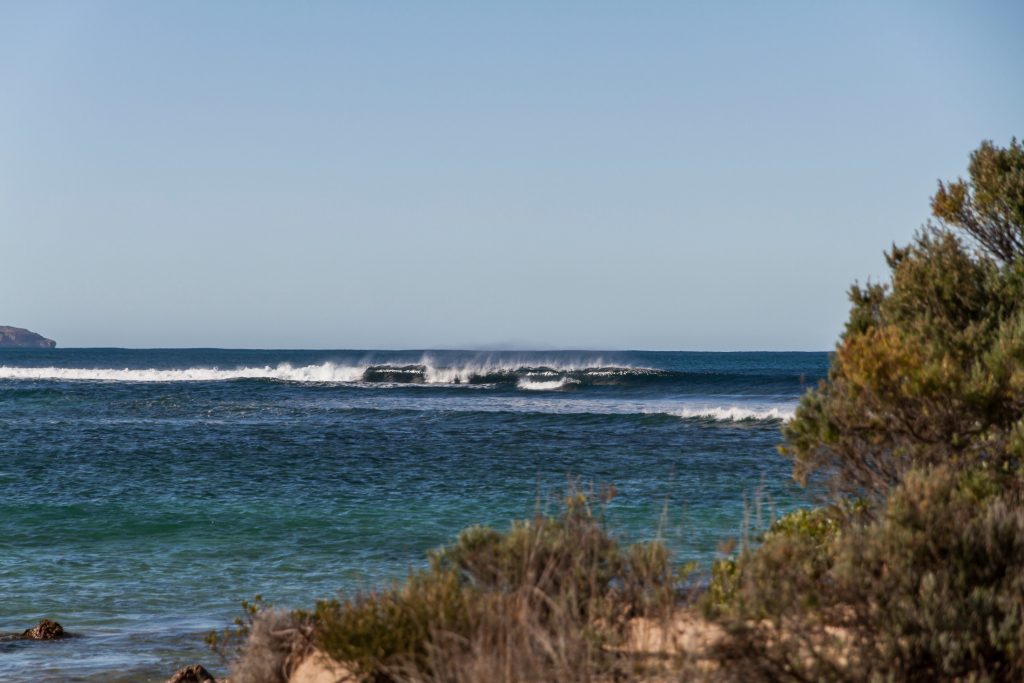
144, 493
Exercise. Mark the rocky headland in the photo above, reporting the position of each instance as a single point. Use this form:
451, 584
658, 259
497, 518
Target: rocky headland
17, 337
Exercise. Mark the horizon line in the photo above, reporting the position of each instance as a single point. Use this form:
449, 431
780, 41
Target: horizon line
496, 349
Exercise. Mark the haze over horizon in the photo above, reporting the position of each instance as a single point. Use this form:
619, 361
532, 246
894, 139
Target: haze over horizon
587, 176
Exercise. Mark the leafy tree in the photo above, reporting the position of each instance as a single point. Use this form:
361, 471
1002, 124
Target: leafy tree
930, 368
919, 576
990, 207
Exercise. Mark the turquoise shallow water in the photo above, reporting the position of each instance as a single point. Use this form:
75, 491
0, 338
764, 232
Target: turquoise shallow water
143, 494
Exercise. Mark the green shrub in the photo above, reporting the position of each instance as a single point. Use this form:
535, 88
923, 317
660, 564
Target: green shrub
387, 629
798, 541
936, 588
991, 207
817, 525
931, 590
930, 369
554, 585
921, 422
720, 594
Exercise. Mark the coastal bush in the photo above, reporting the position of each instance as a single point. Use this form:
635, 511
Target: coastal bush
936, 588
229, 642
797, 542
930, 368
545, 596
277, 642
989, 208
265, 645
931, 590
916, 572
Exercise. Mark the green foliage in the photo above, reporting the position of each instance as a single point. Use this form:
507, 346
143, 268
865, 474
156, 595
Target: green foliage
720, 594
817, 526
937, 586
990, 207
932, 590
921, 419
803, 533
383, 630
550, 579
930, 369
795, 545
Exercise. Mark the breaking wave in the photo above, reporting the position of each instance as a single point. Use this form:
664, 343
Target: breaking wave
541, 377
724, 391
544, 385
734, 414
326, 372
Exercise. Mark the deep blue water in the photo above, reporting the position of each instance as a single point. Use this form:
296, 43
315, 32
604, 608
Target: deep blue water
144, 493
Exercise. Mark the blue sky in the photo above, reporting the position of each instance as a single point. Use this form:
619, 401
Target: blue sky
403, 175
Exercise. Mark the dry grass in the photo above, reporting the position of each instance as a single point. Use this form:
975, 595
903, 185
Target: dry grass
550, 599
266, 645
278, 642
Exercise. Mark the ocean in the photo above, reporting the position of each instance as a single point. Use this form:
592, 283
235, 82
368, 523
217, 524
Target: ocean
145, 493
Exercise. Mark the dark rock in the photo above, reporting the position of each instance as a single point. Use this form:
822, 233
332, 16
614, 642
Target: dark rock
192, 674
44, 630
18, 337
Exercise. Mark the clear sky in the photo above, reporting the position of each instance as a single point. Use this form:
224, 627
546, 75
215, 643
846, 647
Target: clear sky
706, 176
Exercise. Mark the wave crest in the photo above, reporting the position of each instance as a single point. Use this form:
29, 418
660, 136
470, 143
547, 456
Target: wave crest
326, 372
735, 414
544, 385
524, 377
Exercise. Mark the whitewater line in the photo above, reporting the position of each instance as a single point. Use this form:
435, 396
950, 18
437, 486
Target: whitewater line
543, 377
327, 372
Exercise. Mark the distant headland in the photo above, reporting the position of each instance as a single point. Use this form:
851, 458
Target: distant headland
16, 337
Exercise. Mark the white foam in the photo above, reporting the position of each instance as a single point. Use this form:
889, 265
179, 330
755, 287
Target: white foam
436, 373
326, 372
733, 413
543, 385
